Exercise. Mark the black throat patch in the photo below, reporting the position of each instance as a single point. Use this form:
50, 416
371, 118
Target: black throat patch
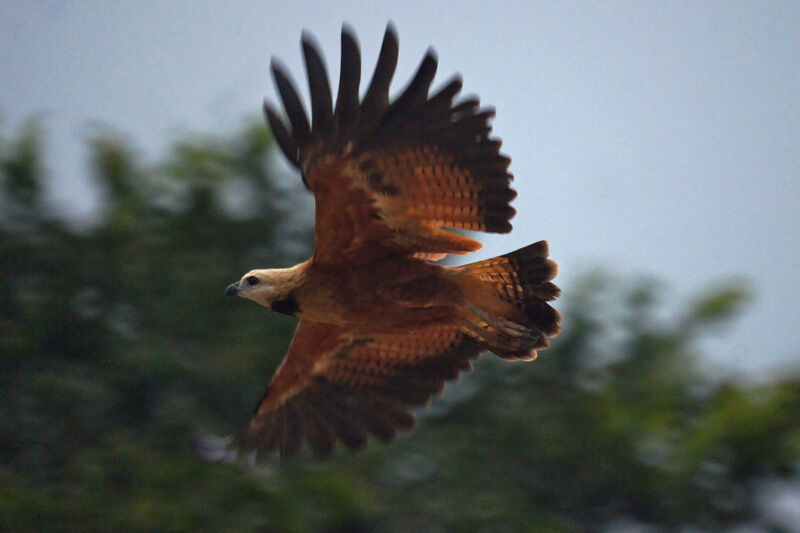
287, 306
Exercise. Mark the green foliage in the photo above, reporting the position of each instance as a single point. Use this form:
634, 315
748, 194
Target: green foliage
21, 166
719, 304
117, 345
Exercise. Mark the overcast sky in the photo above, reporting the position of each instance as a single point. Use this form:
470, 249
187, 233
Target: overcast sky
652, 138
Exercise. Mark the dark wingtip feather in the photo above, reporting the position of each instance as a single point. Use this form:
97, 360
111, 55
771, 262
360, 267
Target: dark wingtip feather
448, 91
417, 91
293, 433
281, 133
391, 29
291, 102
319, 87
348, 30
376, 100
346, 112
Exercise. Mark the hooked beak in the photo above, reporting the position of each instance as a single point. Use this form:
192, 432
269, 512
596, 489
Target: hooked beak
232, 290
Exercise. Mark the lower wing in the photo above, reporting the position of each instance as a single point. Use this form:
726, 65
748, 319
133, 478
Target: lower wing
336, 385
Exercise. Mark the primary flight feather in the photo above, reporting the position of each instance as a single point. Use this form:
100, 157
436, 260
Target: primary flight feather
382, 327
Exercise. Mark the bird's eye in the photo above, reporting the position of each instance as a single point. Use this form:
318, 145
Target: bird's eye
251, 281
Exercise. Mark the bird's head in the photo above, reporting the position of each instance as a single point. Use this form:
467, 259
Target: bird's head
271, 288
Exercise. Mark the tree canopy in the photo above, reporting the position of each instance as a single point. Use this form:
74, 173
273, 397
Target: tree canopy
117, 345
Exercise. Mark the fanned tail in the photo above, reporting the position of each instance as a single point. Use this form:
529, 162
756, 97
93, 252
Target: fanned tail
506, 301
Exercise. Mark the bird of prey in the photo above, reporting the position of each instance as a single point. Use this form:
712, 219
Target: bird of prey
382, 326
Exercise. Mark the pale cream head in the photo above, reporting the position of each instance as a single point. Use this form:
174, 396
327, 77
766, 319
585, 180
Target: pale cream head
269, 287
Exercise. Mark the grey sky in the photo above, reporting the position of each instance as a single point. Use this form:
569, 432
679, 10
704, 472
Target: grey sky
656, 138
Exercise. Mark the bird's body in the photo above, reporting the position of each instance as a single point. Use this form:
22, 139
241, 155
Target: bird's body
388, 295
382, 327
381, 296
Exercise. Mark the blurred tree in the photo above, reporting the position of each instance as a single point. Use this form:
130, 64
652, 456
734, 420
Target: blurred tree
117, 344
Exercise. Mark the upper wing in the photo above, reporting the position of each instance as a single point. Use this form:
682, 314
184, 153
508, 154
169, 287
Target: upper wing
387, 176
335, 385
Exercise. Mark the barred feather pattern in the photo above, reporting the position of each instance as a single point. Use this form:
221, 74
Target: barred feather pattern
433, 187
523, 278
426, 161
359, 387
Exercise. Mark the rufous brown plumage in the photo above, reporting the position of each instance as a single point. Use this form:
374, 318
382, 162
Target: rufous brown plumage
382, 327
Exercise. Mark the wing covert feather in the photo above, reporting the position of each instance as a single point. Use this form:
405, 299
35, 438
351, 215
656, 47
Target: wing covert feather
388, 177
336, 386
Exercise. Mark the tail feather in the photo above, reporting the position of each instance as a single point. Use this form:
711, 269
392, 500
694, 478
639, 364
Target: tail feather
516, 287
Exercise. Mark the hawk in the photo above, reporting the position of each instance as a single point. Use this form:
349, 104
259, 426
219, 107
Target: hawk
382, 326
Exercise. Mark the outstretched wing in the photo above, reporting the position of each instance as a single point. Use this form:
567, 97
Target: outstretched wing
388, 176
333, 386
